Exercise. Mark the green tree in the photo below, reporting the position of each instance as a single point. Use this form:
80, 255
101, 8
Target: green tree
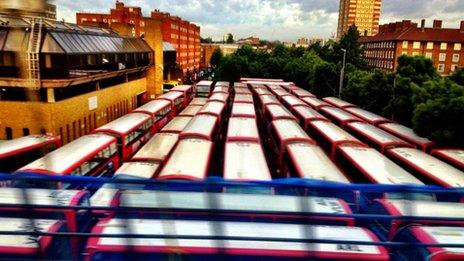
216, 57
458, 76
351, 43
206, 40
230, 39
418, 68
325, 80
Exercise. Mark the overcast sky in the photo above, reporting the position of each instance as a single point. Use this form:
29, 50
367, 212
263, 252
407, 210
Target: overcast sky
284, 20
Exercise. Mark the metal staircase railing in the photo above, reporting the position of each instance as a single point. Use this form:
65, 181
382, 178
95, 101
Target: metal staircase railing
33, 53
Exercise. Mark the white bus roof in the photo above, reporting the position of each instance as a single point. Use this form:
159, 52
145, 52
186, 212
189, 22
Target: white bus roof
158, 147
339, 114
177, 124
221, 89
243, 98
333, 132
153, 107
419, 208
377, 167
301, 93
315, 102
201, 126
308, 113
252, 230
26, 242
190, 160
280, 92
104, 196
218, 97
455, 155
190, 110
375, 134
368, 116
61, 160
144, 170
242, 90
124, 124
442, 235
243, 109
199, 101
181, 88
338, 102
279, 111
289, 129
204, 83
257, 86
232, 202
262, 91
311, 162
245, 161
44, 197
293, 101
430, 166
213, 107
11, 147
242, 128
268, 100
405, 133
171, 96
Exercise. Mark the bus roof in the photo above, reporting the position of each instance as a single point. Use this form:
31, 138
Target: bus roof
262, 91
199, 101
157, 148
177, 124
242, 129
293, 101
242, 90
247, 98
201, 126
406, 133
454, 156
181, 88
244, 79
375, 134
311, 162
291, 236
338, 102
153, 107
441, 235
308, 114
368, 116
221, 89
268, 100
64, 159
333, 132
245, 161
424, 208
243, 110
171, 96
44, 197
190, 110
280, 92
23, 244
144, 170
315, 102
204, 83
378, 168
190, 160
125, 124
289, 130
279, 112
300, 93
219, 97
435, 169
255, 86
339, 114
15, 146
213, 108
233, 202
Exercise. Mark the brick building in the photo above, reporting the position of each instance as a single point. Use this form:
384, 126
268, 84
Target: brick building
442, 45
365, 14
182, 35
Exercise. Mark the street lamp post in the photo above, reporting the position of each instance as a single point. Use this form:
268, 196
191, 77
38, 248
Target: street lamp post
342, 74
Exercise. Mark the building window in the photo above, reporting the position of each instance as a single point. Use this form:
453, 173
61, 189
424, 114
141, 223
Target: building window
455, 57
443, 46
415, 53
453, 67
441, 67
131, 9
26, 132
9, 133
405, 44
442, 57
105, 20
428, 55
457, 46
429, 45
404, 53
94, 19
416, 45
83, 19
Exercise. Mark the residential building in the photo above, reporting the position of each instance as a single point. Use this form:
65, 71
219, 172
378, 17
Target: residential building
443, 45
252, 40
207, 50
365, 14
67, 80
182, 35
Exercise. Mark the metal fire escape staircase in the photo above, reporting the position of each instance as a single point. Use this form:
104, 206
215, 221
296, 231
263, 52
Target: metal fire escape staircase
33, 53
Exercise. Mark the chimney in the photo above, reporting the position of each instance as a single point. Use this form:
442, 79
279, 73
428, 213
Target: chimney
462, 27
422, 25
437, 24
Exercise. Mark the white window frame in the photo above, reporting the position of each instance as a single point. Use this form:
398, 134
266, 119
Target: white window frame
442, 57
429, 46
443, 46
456, 57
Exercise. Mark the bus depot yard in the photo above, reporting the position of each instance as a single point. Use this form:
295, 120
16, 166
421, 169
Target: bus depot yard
257, 169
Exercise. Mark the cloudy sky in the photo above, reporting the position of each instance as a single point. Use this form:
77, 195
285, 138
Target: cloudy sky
284, 20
